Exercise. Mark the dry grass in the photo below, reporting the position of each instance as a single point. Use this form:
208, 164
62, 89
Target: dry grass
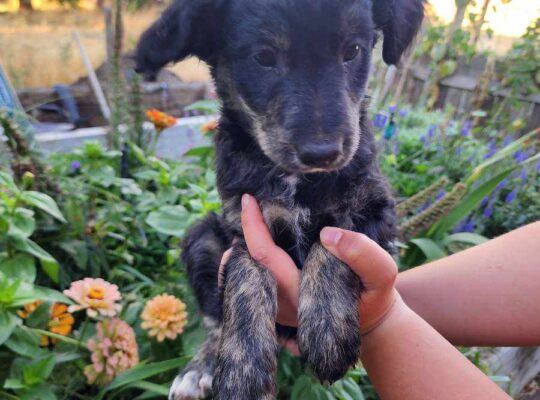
37, 49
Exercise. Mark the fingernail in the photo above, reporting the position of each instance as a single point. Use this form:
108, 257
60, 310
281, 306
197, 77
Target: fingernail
331, 236
245, 200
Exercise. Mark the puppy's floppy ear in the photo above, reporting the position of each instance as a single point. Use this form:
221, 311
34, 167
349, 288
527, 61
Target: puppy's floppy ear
187, 27
399, 21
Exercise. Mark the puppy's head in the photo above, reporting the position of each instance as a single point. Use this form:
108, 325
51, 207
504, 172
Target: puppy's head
295, 69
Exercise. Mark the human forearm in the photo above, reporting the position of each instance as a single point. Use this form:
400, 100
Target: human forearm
486, 296
407, 359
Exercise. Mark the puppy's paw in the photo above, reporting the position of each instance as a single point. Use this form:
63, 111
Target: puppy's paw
191, 385
329, 347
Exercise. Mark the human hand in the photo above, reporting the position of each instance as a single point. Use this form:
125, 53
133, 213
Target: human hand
375, 267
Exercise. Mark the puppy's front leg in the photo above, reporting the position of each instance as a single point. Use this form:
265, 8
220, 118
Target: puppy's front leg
247, 359
328, 332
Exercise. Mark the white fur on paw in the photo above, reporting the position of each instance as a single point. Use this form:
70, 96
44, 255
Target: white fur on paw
193, 385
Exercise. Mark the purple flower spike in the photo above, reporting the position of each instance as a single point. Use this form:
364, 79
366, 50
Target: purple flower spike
75, 165
469, 227
431, 131
459, 151
423, 140
520, 156
503, 183
392, 109
523, 175
508, 140
537, 168
379, 120
488, 211
511, 196
467, 128
403, 112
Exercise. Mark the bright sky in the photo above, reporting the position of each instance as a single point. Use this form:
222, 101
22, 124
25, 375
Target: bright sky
509, 20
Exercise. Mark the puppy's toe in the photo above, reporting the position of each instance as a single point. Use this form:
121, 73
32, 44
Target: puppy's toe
329, 349
192, 385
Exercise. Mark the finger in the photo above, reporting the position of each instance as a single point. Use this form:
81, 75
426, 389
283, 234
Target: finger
259, 241
258, 238
364, 256
263, 249
221, 272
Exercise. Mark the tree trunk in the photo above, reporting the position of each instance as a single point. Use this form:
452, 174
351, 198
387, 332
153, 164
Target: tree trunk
26, 5
478, 25
431, 88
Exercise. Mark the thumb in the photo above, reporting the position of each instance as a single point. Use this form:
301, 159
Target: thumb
375, 267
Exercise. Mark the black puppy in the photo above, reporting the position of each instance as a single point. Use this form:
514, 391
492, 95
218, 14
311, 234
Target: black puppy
295, 134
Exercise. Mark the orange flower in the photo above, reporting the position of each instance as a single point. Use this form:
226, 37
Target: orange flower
61, 323
164, 317
210, 126
29, 308
160, 119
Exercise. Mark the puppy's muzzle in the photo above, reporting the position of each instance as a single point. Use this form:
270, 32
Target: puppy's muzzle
320, 155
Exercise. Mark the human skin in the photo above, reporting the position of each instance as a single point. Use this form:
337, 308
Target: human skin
405, 357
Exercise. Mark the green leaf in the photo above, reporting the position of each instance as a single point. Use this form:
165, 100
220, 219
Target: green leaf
44, 202
170, 220
153, 388
207, 106
301, 389
21, 266
36, 372
465, 237
28, 246
353, 389
7, 181
507, 151
23, 222
430, 248
14, 384
24, 342
141, 372
467, 205
40, 316
52, 269
8, 322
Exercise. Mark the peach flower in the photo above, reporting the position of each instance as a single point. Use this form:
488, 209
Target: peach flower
114, 350
96, 296
164, 317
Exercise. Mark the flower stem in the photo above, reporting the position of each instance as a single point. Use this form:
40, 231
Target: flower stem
83, 331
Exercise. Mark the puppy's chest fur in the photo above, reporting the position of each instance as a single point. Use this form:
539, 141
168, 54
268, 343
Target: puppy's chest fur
296, 208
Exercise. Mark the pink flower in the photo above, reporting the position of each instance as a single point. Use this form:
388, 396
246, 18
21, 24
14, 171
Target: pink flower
96, 296
164, 317
114, 350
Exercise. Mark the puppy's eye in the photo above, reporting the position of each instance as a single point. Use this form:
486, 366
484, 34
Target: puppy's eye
351, 52
266, 58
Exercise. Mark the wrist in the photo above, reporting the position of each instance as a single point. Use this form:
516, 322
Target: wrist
396, 313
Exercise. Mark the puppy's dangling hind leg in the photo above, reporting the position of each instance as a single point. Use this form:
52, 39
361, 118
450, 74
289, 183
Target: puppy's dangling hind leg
195, 381
202, 249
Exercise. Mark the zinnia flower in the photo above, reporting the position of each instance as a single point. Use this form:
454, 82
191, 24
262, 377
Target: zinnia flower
95, 296
160, 119
164, 317
60, 322
114, 350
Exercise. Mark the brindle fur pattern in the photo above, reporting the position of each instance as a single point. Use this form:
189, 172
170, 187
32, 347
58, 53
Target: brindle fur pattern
270, 117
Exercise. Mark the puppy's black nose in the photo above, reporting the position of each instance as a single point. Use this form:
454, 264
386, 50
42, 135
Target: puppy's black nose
319, 155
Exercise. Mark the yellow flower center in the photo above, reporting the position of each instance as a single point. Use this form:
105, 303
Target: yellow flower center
96, 293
